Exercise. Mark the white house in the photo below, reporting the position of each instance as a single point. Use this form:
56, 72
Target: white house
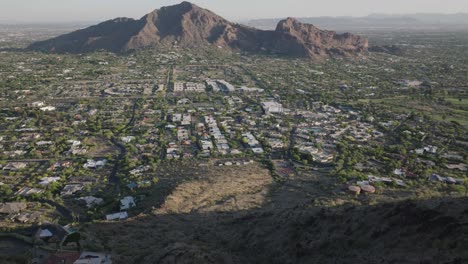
272, 107
117, 216
37, 104
127, 203
47, 108
127, 139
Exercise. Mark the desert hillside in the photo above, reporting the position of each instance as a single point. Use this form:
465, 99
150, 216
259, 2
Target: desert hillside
232, 215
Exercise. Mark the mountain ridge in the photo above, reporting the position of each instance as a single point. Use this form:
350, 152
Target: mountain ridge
417, 20
189, 25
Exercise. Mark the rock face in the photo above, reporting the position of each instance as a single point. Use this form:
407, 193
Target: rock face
188, 25
309, 41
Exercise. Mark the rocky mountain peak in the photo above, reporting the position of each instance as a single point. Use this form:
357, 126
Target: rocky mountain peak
292, 24
189, 25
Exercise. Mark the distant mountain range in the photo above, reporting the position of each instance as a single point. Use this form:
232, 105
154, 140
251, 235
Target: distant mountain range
188, 25
376, 21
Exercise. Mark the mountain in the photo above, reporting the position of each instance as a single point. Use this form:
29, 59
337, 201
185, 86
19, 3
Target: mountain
429, 18
308, 40
377, 21
188, 25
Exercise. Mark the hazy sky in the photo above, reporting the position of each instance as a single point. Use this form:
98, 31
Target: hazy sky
98, 10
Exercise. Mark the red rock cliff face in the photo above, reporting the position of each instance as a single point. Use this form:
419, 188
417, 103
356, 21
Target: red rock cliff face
188, 25
308, 40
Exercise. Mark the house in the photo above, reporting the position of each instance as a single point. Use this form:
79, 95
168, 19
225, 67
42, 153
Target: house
71, 189
127, 203
308, 150
257, 150
178, 87
225, 86
453, 156
15, 166
44, 143
117, 216
93, 258
14, 153
235, 152
186, 119
373, 178
92, 164
37, 104
26, 191
182, 134
60, 164
52, 234
195, 87
419, 151
430, 149
460, 166
250, 139
275, 143
28, 217
12, 208
272, 107
399, 172
183, 101
449, 180
206, 145
245, 89
78, 151
213, 85
172, 152
47, 108
140, 170
176, 117
91, 201
73, 142
127, 139
48, 180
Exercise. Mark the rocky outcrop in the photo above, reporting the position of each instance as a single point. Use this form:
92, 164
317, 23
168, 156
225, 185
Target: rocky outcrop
300, 39
188, 25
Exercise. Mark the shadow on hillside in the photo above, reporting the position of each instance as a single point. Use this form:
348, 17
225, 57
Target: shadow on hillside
198, 218
429, 231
